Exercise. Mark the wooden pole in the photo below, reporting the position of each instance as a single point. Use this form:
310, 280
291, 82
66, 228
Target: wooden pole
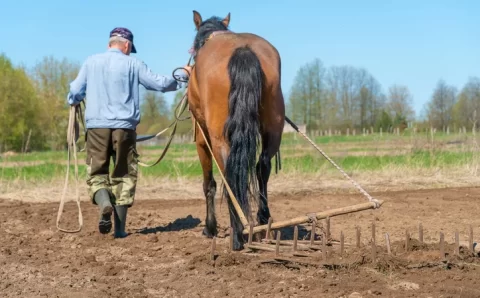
457, 243
312, 232
358, 236
28, 141
374, 245
250, 235
272, 248
261, 247
387, 240
214, 245
470, 239
319, 216
277, 245
420, 233
442, 246
407, 240
231, 239
295, 238
327, 220
303, 242
269, 228
374, 238
324, 247
342, 243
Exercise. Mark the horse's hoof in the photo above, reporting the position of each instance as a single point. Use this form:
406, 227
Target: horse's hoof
208, 234
262, 217
237, 246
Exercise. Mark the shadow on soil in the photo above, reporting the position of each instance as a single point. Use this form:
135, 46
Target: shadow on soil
180, 224
287, 233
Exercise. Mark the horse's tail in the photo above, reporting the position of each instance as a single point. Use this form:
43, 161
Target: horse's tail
242, 127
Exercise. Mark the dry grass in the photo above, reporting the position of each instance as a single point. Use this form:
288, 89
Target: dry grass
303, 176
390, 179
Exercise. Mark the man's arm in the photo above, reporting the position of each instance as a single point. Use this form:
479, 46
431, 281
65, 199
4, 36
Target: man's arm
155, 82
78, 86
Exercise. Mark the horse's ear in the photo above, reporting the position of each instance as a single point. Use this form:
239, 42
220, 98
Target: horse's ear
197, 19
226, 20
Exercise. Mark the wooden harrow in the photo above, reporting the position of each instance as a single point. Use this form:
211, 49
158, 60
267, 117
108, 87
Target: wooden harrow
330, 251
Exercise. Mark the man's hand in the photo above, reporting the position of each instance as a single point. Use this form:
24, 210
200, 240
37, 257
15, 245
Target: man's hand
188, 69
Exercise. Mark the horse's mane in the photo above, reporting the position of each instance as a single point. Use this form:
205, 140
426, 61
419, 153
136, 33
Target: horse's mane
206, 28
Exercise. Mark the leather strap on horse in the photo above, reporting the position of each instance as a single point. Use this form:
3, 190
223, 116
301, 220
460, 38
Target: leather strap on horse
72, 137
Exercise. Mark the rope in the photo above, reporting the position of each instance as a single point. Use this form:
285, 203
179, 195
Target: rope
72, 137
182, 105
369, 197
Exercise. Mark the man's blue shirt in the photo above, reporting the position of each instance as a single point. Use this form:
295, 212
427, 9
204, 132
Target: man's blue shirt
110, 82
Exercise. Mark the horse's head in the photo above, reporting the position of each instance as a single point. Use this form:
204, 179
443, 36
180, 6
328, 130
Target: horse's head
207, 27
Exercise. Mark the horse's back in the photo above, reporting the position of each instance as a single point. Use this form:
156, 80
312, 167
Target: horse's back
218, 50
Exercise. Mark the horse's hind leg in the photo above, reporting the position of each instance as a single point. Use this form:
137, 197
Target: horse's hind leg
270, 145
209, 186
221, 152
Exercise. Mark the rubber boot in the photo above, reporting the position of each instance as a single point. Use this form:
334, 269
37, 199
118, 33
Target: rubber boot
102, 198
120, 221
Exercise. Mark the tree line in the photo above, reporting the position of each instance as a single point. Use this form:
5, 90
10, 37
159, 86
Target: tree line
34, 108
345, 97
34, 111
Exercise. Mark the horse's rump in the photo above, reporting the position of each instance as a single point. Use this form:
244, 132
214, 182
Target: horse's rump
217, 51
211, 81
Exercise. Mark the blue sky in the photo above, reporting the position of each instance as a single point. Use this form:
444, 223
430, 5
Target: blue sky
414, 43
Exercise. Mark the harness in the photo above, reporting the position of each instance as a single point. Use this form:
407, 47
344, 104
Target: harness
192, 51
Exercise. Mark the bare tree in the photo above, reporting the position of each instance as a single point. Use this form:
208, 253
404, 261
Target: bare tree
371, 101
51, 78
308, 95
440, 107
400, 102
154, 113
376, 102
342, 84
467, 106
358, 95
342, 97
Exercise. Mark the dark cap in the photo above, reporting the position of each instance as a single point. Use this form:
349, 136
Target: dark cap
125, 33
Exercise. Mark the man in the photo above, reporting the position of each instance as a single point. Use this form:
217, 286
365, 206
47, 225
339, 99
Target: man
110, 81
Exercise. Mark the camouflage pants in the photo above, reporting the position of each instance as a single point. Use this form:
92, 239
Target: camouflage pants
120, 145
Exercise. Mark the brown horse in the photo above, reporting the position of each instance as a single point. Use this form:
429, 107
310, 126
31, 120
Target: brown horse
235, 95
